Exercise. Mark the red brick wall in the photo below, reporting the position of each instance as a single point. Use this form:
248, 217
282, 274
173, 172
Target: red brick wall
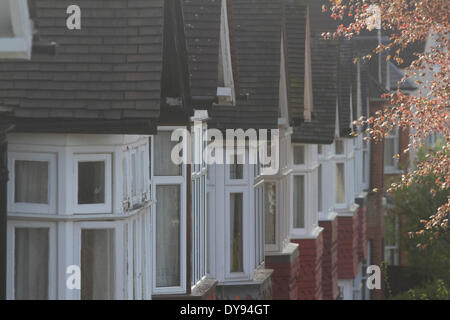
330, 259
310, 275
347, 247
285, 275
362, 234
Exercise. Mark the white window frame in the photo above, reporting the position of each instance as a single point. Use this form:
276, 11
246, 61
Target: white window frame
171, 180
19, 46
52, 263
38, 208
118, 251
100, 207
273, 247
395, 136
246, 243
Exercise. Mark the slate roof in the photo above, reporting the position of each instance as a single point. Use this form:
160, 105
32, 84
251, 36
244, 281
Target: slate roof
107, 74
256, 30
295, 37
346, 77
202, 24
321, 129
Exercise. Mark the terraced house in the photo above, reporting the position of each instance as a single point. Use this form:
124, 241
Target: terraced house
87, 180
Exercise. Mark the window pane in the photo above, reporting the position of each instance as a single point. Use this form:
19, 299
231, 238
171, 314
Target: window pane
6, 29
389, 152
133, 175
97, 264
270, 206
340, 183
168, 219
319, 149
299, 201
163, 160
364, 165
339, 146
299, 155
31, 256
91, 182
237, 170
319, 191
125, 178
31, 181
236, 250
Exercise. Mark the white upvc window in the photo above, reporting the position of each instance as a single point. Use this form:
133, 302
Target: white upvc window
299, 205
236, 201
340, 168
271, 201
199, 222
391, 148
365, 164
98, 252
303, 192
32, 187
31, 258
92, 183
136, 177
15, 30
169, 233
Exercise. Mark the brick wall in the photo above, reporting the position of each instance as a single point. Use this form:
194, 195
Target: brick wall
330, 259
347, 246
310, 275
285, 276
362, 233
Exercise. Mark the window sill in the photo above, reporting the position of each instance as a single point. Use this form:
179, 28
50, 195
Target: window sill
202, 291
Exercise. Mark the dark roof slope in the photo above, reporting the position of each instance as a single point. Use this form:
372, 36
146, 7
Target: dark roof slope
324, 80
108, 73
256, 31
346, 76
202, 24
295, 36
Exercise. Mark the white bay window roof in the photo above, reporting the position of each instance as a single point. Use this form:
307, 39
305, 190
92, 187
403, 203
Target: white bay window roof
15, 30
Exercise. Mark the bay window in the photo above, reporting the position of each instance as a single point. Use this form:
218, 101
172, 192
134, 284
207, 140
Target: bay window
76, 181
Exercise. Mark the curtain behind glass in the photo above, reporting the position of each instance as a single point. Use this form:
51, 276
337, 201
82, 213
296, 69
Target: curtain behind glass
270, 205
340, 183
236, 217
31, 256
97, 264
299, 202
168, 249
31, 181
91, 182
